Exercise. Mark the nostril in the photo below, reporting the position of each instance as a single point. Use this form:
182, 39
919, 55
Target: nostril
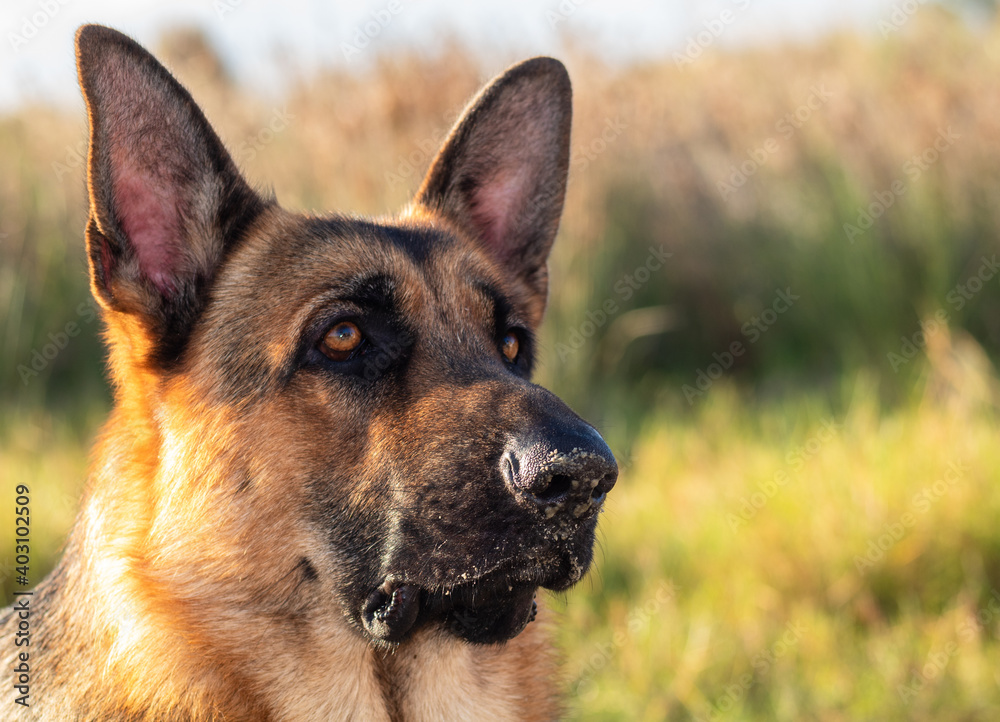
559, 485
566, 476
605, 485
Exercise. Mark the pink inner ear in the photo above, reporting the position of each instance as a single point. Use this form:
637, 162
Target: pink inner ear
495, 206
149, 217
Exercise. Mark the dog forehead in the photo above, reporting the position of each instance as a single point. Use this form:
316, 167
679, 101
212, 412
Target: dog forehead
290, 266
307, 257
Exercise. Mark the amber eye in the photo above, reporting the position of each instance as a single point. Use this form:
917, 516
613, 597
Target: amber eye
341, 341
510, 346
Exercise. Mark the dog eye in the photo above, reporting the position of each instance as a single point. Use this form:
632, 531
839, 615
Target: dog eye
341, 341
510, 346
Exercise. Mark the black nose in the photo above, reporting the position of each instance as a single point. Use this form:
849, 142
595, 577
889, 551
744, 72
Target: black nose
565, 474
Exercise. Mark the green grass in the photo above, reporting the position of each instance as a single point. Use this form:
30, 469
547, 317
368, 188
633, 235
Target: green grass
47, 453
711, 603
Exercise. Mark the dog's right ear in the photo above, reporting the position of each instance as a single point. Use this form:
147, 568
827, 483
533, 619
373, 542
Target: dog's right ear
166, 199
501, 175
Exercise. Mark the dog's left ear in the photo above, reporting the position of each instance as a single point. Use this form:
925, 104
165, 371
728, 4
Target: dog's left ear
166, 200
501, 175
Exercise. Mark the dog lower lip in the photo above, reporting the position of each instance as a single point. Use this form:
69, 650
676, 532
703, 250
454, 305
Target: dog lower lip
390, 611
479, 613
494, 620
487, 607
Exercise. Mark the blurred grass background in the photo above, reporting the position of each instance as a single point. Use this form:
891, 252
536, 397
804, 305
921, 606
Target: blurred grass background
807, 529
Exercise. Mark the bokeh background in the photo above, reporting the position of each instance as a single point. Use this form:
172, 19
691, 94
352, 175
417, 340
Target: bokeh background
776, 290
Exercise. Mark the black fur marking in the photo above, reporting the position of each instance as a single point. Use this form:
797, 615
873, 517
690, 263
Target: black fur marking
309, 572
417, 243
244, 484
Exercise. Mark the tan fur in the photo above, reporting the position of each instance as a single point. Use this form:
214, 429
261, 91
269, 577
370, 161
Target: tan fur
200, 581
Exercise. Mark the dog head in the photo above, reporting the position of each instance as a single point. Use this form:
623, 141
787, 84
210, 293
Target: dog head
350, 398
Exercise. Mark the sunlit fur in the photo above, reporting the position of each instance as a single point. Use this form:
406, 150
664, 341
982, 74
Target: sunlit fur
203, 579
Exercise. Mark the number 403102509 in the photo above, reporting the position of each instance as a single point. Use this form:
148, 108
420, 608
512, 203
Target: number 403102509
23, 520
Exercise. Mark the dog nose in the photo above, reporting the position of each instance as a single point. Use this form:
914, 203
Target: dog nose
568, 474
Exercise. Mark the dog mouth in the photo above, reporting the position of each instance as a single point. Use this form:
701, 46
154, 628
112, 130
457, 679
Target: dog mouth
395, 609
490, 606
491, 609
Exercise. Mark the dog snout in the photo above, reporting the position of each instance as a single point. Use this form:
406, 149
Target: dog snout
567, 474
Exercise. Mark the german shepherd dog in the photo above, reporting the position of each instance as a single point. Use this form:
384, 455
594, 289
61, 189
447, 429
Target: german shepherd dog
328, 489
